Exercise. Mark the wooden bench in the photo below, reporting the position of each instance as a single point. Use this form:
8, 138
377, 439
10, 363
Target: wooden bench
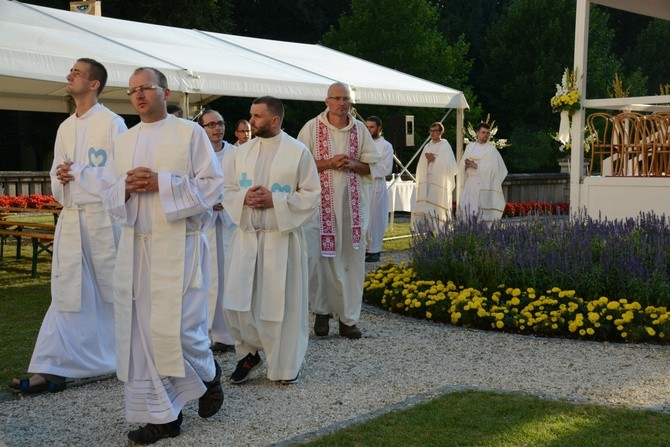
41, 235
53, 208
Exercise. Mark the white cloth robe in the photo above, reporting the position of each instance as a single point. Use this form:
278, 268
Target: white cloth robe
266, 290
161, 282
435, 183
379, 198
336, 284
219, 233
76, 338
481, 188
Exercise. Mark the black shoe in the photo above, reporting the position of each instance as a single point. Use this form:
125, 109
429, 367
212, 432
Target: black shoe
290, 381
351, 332
210, 403
245, 367
321, 325
222, 347
372, 257
152, 433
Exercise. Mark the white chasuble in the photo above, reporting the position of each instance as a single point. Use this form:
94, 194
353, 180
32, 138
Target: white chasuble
87, 142
288, 214
168, 241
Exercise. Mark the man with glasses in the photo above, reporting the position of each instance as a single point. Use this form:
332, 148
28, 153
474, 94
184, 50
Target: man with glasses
242, 132
76, 338
219, 234
344, 152
435, 177
165, 181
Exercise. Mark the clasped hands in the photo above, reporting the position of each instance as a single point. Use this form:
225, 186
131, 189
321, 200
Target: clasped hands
258, 197
470, 163
141, 180
63, 173
342, 162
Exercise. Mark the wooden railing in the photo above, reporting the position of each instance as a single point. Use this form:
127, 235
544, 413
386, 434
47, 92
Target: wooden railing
17, 183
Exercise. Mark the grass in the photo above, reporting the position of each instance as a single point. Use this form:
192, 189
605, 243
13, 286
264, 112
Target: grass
400, 229
23, 303
483, 419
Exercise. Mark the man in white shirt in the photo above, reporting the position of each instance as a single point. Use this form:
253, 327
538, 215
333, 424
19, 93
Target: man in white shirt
76, 339
481, 172
435, 177
344, 152
165, 179
271, 192
242, 132
379, 208
218, 236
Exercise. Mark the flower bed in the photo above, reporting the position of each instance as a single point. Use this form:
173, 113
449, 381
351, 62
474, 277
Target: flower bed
36, 201
577, 277
554, 312
520, 209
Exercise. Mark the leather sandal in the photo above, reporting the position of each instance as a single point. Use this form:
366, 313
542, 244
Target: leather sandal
24, 387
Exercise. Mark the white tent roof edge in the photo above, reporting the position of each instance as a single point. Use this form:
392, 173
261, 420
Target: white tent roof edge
40, 44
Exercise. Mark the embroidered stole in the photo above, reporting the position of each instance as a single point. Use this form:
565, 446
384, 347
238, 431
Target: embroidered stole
326, 210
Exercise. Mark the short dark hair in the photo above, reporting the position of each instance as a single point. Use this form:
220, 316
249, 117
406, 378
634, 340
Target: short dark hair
273, 104
201, 118
374, 119
175, 109
483, 125
162, 80
242, 121
96, 72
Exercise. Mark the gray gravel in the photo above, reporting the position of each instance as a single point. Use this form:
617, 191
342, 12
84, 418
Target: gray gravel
398, 362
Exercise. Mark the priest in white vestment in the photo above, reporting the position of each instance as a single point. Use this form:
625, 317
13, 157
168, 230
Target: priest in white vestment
219, 233
76, 339
344, 153
379, 198
481, 172
271, 191
166, 181
435, 176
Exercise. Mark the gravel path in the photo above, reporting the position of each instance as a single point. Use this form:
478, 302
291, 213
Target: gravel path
399, 361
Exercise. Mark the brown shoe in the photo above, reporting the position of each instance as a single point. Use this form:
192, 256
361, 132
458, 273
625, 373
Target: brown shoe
321, 325
351, 332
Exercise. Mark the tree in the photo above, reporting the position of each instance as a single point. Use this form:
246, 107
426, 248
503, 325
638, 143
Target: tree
529, 47
302, 21
406, 39
650, 56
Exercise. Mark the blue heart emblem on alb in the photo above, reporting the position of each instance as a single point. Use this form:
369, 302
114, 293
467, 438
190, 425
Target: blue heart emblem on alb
97, 158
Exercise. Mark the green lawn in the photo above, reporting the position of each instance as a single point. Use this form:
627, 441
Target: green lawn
23, 303
483, 419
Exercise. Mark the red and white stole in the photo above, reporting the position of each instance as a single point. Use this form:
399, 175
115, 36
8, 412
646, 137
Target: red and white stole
326, 210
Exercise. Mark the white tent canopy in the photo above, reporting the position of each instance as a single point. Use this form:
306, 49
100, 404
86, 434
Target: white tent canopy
38, 46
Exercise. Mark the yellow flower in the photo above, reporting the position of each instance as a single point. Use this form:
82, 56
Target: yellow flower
650, 331
500, 324
429, 315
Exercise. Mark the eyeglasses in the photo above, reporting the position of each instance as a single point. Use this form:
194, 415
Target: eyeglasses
243, 130
214, 124
340, 98
142, 88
